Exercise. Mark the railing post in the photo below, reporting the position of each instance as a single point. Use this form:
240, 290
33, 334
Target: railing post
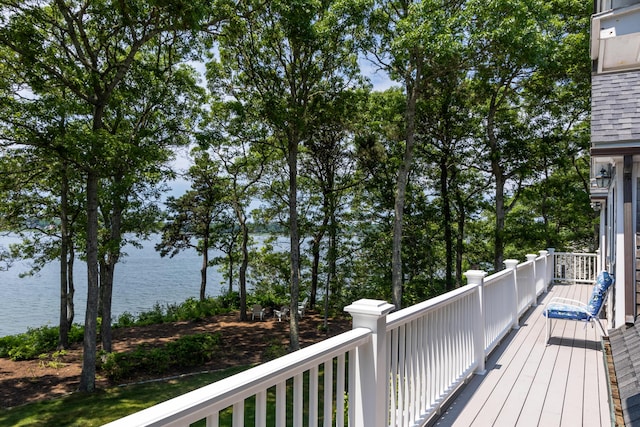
534, 279
371, 375
511, 264
550, 262
476, 277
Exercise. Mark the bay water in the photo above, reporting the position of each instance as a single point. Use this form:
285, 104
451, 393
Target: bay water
142, 279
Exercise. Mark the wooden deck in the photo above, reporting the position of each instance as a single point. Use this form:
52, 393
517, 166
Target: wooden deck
529, 383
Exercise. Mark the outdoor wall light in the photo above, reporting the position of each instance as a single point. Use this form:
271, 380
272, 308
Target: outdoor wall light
603, 178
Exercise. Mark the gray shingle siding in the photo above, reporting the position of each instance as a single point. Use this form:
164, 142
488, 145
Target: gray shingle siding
625, 349
615, 107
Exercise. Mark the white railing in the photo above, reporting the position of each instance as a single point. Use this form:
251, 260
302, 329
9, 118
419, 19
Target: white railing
280, 380
432, 347
575, 268
394, 369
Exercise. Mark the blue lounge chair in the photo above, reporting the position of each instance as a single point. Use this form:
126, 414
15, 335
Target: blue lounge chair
567, 309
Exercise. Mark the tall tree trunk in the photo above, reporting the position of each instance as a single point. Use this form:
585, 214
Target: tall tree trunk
205, 264
71, 290
315, 268
88, 374
109, 266
106, 297
315, 251
294, 238
461, 219
63, 329
497, 171
447, 221
244, 265
231, 266
401, 190
498, 259
331, 287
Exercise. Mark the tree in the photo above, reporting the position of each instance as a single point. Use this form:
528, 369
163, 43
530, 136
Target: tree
192, 215
40, 187
237, 137
412, 42
513, 42
147, 125
446, 129
329, 162
378, 156
280, 59
89, 49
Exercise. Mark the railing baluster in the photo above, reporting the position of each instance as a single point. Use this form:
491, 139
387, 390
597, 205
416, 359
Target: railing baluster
238, 414
261, 408
352, 387
298, 394
340, 390
413, 374
432, 359
393, 386
313, 396
212, 420
328, 394
281, 404
402, 392
423, 363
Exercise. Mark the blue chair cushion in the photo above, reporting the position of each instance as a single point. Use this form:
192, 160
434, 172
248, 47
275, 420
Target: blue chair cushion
565, 311
603, 282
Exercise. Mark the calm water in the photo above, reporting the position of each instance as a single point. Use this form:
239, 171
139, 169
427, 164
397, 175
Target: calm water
142, 279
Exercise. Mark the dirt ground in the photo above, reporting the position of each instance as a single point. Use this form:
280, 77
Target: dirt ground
243, 342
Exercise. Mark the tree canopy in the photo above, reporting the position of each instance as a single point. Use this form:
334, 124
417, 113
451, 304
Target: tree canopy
478, 152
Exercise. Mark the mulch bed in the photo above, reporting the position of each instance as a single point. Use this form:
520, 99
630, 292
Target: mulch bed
243, 343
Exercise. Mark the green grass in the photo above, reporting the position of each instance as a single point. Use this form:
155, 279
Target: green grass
103, 406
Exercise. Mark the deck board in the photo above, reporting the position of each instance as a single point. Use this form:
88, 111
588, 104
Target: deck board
530, 383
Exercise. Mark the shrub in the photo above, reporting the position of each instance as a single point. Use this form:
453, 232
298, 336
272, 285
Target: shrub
124, 320
36, 341
8, 343
193, 350
191, 309
186, 351
274, 350
152, 317
230, 300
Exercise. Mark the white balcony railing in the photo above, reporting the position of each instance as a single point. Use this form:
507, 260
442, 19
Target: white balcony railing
575, 268
394, 369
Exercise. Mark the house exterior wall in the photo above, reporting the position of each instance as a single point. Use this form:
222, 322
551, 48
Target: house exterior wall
615, 110
615, 146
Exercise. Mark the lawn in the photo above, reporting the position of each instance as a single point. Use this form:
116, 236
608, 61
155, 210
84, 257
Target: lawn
103, 406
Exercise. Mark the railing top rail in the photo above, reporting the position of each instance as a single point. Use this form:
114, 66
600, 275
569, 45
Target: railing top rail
526, 264
497, 276
590, 254
408, 314
225, 392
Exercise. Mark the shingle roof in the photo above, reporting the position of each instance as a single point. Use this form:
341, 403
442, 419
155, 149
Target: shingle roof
615, 107
625, 349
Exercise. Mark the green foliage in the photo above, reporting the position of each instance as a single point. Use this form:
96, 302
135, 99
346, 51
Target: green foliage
275, 349
52, 360
191, 309
35, 342
154, 316
186, 351
125, 320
